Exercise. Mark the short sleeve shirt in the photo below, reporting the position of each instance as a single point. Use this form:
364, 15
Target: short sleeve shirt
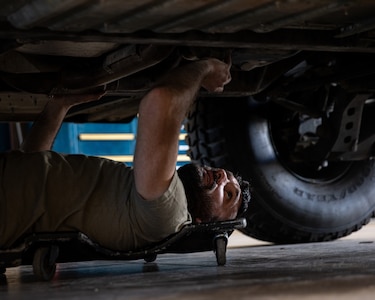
50, 192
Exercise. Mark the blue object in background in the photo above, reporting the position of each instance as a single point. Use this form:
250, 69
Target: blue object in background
111, 140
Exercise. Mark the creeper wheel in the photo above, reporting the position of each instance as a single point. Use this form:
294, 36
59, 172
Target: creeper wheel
220, 248
44, 262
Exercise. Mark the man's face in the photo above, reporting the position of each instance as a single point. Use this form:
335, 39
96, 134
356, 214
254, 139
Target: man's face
222, 188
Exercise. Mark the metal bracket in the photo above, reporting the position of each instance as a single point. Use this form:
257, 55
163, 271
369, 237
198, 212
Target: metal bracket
349, 124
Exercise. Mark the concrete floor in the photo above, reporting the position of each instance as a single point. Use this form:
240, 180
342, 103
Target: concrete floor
344, 269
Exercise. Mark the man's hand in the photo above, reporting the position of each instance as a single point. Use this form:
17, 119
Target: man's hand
218, 75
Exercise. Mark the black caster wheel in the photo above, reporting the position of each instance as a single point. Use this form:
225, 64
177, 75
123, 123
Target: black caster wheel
44, 262
150, 258
220, 247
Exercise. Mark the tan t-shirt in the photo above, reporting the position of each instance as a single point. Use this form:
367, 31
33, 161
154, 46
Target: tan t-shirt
50, 192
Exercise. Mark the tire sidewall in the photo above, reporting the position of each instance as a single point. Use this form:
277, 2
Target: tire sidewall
318, 206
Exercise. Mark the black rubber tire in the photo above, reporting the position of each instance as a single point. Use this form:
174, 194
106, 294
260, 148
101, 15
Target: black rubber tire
284, 208
221, 250
150, 258
43, 268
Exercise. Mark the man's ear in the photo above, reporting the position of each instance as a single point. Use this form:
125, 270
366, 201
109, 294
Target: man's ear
198, 220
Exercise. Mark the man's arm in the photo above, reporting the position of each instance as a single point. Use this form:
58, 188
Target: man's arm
45, 128
161, 114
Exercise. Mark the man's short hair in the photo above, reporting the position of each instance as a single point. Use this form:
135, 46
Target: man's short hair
245, 194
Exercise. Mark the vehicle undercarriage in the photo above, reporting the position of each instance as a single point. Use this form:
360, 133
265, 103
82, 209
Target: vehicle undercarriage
296, 119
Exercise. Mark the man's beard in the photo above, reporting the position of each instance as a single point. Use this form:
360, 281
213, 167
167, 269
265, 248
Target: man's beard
199, 203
